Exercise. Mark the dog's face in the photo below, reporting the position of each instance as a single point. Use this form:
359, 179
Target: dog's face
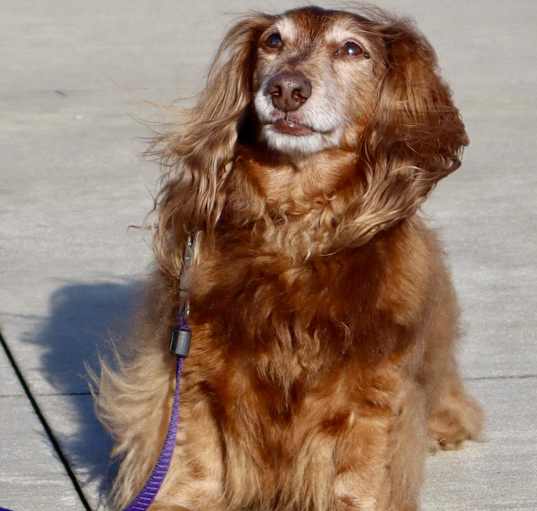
316, 80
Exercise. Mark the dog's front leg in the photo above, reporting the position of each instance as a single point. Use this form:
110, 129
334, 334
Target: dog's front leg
195, 479
382, 468
454, 416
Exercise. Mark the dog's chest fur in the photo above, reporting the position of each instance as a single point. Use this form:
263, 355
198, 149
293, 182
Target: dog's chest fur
325, 354
288, 328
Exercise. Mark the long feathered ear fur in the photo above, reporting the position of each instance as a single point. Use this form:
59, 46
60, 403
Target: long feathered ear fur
198, 151
415, 138
416, 121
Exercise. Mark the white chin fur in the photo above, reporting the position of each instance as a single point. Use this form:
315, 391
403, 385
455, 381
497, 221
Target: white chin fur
299, 144
319, 114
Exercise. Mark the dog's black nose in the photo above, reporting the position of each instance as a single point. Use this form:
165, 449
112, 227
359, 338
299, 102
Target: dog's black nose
289, 90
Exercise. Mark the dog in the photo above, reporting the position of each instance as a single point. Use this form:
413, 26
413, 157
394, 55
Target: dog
324, 320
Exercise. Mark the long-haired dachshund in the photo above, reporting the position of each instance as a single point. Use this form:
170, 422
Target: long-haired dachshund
324, 319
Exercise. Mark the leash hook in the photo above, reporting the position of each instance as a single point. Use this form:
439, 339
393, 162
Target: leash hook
181, 335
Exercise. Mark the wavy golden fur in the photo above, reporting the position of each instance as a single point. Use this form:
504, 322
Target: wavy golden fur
324, 319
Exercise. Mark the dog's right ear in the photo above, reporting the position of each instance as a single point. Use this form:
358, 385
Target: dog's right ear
198, 151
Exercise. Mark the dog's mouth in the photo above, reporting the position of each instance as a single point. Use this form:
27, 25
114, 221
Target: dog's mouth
290, 127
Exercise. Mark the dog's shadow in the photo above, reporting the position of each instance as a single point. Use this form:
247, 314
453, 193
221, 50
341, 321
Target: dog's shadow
84, 321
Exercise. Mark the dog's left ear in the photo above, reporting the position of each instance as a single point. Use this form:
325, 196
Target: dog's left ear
416, 115
416, 135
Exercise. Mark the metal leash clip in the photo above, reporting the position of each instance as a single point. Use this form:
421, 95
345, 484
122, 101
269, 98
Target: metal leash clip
181, 335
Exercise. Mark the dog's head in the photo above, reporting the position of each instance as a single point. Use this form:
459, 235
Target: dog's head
306, 82
316, 79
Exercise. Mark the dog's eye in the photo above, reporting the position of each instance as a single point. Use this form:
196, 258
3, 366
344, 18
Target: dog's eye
274, 40
352, 49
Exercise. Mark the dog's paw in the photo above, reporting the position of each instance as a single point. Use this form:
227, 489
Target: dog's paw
347, 503
352, 503
460, 419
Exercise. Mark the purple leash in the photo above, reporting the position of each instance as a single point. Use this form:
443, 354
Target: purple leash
145, 498
180, 346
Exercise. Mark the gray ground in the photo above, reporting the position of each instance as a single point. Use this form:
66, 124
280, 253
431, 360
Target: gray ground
73, 84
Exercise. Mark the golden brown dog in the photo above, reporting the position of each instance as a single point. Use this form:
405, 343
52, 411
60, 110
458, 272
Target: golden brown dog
324, 319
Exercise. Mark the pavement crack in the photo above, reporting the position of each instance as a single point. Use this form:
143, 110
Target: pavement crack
504, 377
